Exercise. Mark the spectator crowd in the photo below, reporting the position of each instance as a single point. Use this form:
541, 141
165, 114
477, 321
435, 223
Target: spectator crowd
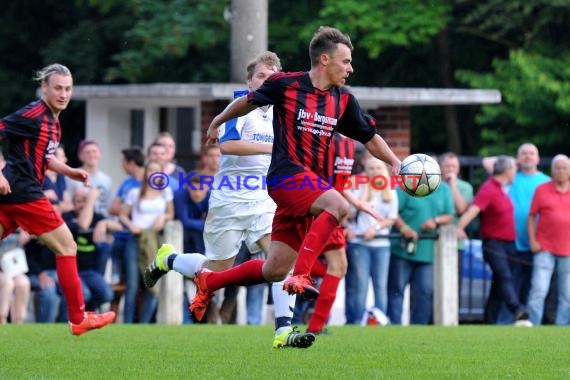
519, 213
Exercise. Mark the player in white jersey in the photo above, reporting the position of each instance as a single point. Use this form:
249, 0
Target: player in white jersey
240, 210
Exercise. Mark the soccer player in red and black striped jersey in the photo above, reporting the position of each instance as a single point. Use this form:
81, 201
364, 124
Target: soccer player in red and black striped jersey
29, 138
338, 166
308, 108
337, 170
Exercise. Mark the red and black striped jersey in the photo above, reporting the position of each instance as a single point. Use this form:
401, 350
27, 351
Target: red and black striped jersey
339, 163
305, 119
30, 137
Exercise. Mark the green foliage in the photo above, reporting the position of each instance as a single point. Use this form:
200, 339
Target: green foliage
287, 35
21, 40
517, 23
379, 24
106, 7
244, 352
166, 30
80, 49
533, 76
536, 92
518, 46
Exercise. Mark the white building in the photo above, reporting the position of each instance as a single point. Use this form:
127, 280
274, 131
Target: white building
118, 116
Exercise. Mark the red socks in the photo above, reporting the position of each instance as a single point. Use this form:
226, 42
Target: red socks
324, 303
314, 242
66, 267
248, 273
319, 269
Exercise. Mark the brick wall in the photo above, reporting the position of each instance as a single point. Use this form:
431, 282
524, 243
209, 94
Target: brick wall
394, 126
209, 110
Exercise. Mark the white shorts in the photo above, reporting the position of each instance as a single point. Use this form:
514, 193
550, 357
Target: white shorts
229, 225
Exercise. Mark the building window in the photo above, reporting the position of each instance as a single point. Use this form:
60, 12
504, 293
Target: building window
137, 127
181, 123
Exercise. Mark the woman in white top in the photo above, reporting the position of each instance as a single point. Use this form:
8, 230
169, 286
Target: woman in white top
144, 213
369, 256
14, 288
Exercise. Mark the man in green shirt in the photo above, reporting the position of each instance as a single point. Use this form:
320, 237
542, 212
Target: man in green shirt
462, 193
412, 258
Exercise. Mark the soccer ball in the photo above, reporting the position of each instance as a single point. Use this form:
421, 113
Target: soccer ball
421, 175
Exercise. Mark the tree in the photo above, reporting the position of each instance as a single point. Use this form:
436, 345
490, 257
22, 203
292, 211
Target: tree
534, 78
516, 46
167, 34
379, 24
536, 102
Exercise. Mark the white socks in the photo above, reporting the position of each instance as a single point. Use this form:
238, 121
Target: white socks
284, 305
188, 264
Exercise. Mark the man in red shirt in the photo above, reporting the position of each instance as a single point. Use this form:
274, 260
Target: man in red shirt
548, 226
32, 134
497, 229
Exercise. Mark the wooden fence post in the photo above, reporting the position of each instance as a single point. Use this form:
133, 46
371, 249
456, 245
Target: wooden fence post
445, 267
171, 285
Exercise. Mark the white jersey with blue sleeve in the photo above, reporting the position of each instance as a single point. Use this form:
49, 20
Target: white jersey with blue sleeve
241, 178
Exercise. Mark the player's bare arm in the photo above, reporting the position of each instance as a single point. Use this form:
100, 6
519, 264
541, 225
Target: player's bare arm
361, 206
63, 169
237, 108
380, 149
244, 148
4, 185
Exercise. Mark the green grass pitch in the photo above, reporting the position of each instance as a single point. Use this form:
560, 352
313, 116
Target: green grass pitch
36, 351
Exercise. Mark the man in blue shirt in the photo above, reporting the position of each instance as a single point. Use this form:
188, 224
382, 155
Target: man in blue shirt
526, 181
125, 259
